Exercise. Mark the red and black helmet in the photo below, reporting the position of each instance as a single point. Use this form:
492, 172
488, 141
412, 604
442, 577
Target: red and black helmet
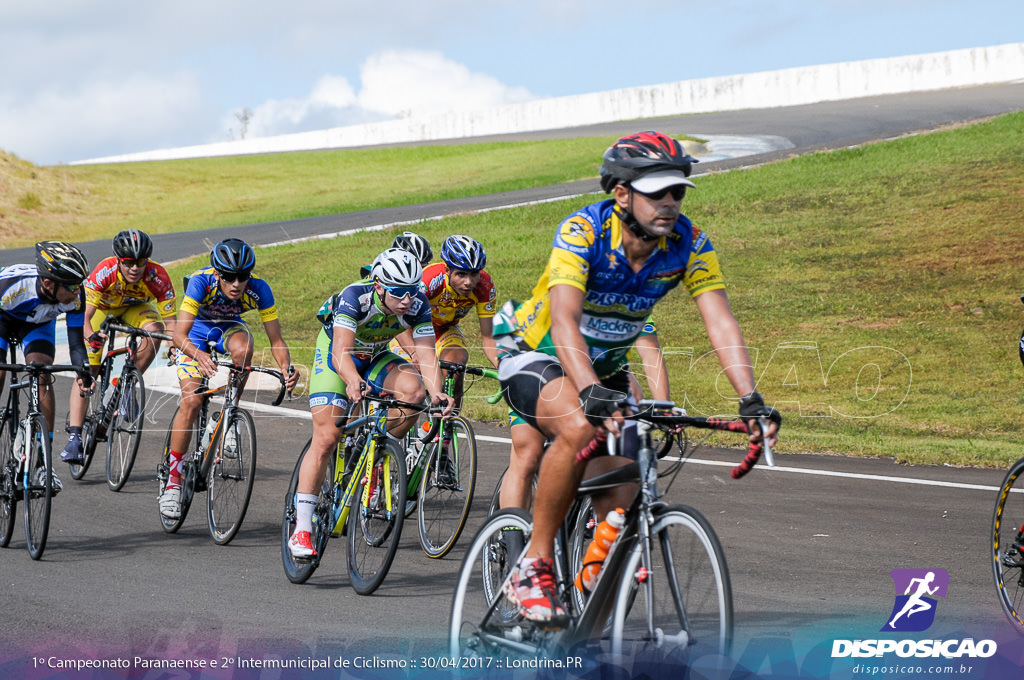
636, 155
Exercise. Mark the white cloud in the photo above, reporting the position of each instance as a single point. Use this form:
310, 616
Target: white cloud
65, 124
394, 83
417, 83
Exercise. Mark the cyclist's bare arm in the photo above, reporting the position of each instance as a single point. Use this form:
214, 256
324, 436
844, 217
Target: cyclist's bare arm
649, 349
344, 340
487, 343
279, 348
425, 354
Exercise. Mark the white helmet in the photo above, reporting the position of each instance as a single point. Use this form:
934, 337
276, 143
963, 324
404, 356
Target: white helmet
396, 267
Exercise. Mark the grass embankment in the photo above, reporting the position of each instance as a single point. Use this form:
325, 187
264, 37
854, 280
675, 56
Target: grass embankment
879, 287
87, 202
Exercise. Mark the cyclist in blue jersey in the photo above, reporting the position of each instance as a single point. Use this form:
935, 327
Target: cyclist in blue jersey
31, 299
352, 358
214, 300
611, 263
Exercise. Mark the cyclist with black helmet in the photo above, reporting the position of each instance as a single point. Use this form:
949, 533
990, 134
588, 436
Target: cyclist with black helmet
215, 298
412, 242
610, 264
454, 287
137, 291
352, 358
31, 299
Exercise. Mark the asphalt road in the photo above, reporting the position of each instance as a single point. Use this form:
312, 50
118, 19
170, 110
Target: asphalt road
810, 545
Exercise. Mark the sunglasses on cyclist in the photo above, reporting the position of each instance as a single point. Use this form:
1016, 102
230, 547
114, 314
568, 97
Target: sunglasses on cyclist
400, 292
232, 277
677, 192
129, 262
71, 287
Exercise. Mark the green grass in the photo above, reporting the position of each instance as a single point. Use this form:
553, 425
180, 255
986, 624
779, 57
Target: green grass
88, 202
878, 287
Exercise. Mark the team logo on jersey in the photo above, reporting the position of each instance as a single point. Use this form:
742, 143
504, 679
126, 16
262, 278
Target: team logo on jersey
577, 232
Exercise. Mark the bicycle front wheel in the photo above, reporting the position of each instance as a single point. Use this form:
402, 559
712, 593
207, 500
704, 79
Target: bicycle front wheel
483, 621
125, 428
299, 571
89, 427
446, 490
1008, 546
8, 477
232, 474
39, 490
678, 605
375, 524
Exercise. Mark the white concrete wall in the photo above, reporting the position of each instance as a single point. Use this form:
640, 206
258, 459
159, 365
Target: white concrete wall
848, 80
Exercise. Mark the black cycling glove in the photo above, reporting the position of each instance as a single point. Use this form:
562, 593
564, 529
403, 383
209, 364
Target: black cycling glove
599, 402
753, 406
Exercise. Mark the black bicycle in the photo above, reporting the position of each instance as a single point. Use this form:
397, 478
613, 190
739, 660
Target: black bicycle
117, 406
663, 588
26, 459
222, 457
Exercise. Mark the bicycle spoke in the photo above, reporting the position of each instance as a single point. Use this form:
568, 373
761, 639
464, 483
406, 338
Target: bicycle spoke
125, 430
678, 606
446, 491
229, 484
375, 523
1008, 545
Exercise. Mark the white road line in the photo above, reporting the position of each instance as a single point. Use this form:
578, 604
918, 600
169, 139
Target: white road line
305, 415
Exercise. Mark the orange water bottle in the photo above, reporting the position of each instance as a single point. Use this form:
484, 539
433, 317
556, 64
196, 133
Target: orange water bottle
604, 536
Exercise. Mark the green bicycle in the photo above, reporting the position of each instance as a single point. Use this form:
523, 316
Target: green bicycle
362, 497
441, 467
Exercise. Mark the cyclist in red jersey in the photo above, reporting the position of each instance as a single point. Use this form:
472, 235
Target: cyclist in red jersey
134, 289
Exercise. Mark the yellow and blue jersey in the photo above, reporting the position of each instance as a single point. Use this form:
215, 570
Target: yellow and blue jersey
204, 299
587, 254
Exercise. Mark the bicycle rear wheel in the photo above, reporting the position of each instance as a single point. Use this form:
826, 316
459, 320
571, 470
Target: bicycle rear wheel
583, 525
446, 490
685, 590
375, 526
93, 413
188, 474
232, 474
299, 571
484, 622
1008, 545
40, 486
8, 477
125, 430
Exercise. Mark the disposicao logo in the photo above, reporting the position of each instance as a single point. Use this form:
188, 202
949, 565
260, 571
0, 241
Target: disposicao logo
916, 590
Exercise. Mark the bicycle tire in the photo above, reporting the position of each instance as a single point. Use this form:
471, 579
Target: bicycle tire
481, 615
1008, 545
373, 531
231, 476
691, 604
8, 471
583, 524
125, 431
94, 409
495, 505
39, 494
299, 571
187, 480
444, 503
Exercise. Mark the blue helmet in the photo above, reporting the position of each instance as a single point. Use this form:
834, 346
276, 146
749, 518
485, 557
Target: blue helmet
463, 252
233, 256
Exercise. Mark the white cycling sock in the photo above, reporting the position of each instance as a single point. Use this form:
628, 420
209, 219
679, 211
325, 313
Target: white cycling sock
304, 505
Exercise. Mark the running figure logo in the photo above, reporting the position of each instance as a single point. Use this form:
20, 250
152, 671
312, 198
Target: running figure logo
916, 590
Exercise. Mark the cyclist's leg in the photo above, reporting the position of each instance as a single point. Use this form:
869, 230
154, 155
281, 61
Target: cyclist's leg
627, 445
394, 375
523, 463
237, 342
327, 403
146, 317
451, 346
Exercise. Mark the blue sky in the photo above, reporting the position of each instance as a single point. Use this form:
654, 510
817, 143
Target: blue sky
87, 79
